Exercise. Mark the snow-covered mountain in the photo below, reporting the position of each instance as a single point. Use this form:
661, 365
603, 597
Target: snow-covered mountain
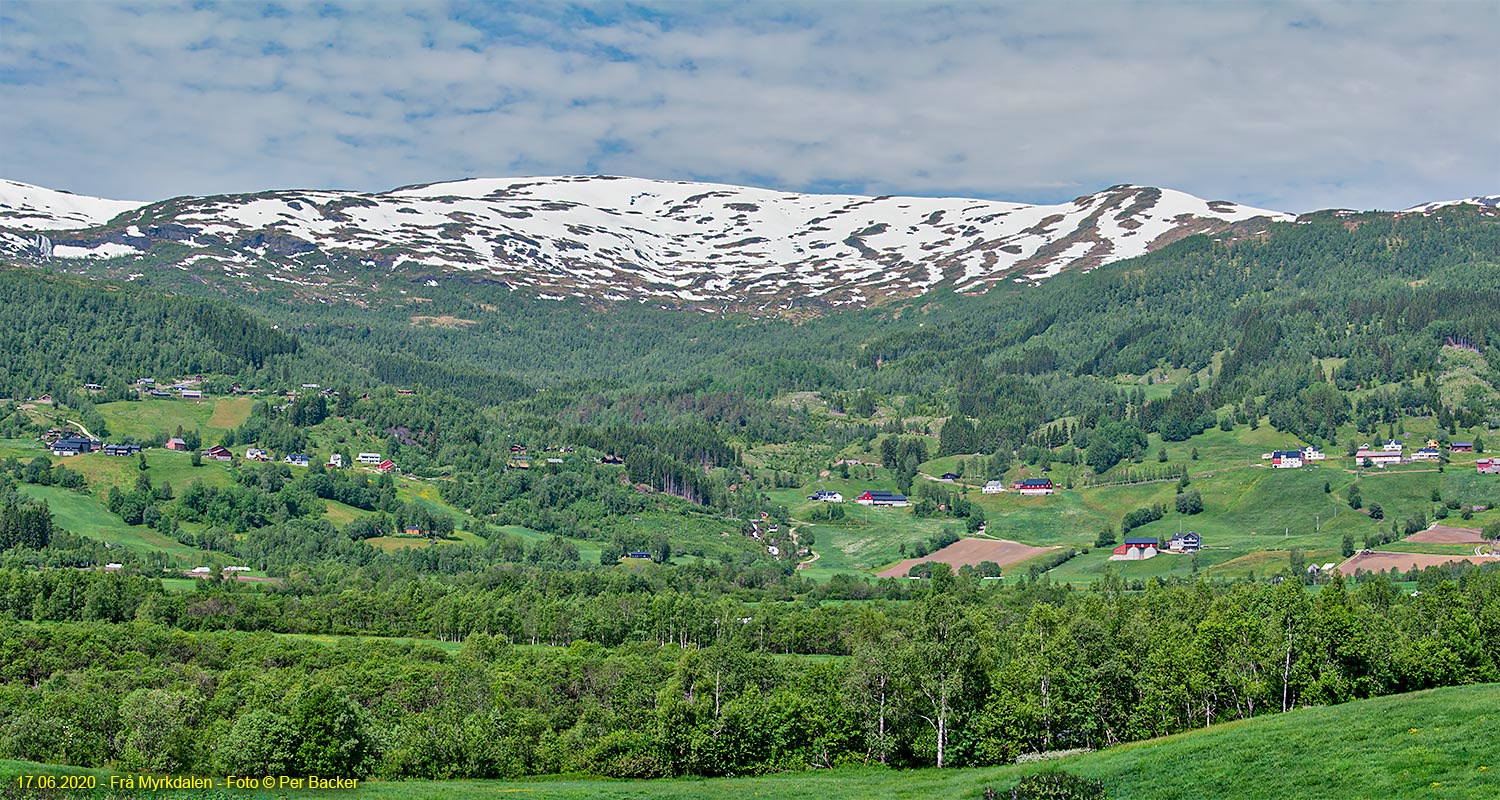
1487, 201
690, 244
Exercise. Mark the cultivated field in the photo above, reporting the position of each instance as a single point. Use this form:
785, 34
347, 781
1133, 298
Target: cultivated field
971, 552
1381, 561
1442, 534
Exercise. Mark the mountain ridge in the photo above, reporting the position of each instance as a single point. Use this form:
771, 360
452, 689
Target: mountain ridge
707, 246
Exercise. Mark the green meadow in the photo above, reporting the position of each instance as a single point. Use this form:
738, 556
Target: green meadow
212, 417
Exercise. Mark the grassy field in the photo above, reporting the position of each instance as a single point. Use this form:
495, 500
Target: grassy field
1434, 744
83, 515
211, 416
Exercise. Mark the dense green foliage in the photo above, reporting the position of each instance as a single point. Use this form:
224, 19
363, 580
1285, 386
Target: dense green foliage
962, 674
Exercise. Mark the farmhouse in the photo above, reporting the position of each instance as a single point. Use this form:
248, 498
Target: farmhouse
298, 459
1427, 454
387, 466
1461, 447
949, 476
1189, 542
368, 458
121, 449
1391, 446
1034, 486
335, 460
218, 453
256, 454
1136, 549
826, 496
413, 530
882, 498
1379, 458
994, 487
74, 446
1488, 466
160, 393
1310, 453
638, 554
1286, 459
175, 443
192, 394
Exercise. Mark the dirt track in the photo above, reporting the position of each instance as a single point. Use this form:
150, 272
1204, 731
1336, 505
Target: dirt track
970, 552
1442, 534
1380, 561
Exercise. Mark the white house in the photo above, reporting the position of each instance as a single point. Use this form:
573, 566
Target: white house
1310, 453
994, 487
368, 458
1391, 446
1427, 454
1379, 458
1286, 459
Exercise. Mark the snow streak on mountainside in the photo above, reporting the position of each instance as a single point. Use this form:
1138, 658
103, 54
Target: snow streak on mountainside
1488, 201
692, 244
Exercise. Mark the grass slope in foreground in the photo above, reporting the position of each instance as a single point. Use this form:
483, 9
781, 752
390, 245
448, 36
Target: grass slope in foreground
1433, 744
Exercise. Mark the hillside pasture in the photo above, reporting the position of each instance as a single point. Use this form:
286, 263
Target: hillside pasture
212, 417
83, 515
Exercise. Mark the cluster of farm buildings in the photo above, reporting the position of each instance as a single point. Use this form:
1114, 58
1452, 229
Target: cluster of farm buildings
1142, 547
81, 445
877, 497
1390, 453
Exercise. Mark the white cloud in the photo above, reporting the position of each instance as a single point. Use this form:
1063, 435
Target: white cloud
1288, 106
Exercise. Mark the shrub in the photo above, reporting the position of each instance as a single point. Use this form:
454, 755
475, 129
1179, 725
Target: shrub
1056, 785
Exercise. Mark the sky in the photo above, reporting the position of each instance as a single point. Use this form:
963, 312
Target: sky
1289, 106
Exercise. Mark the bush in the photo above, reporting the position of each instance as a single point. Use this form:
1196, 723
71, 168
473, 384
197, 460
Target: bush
1139, 517
1055, 785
